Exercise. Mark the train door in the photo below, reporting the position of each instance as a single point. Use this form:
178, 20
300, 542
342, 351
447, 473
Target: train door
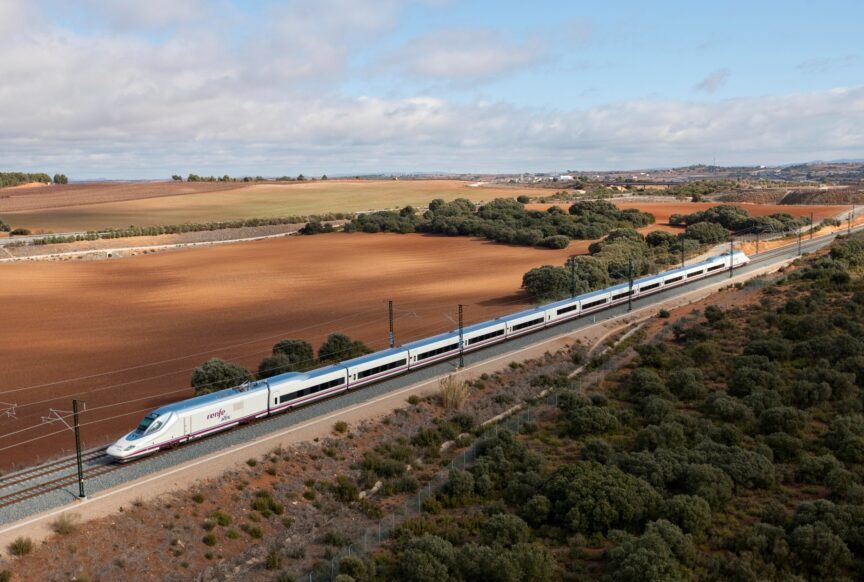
187, 425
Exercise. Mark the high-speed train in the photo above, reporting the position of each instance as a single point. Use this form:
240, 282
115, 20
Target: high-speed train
202, 415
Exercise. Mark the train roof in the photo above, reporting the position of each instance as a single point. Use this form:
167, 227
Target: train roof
205, 399
430, 340
519, 314
299, 376
371, 357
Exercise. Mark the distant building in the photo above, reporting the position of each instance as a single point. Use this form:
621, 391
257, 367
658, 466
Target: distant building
565, 178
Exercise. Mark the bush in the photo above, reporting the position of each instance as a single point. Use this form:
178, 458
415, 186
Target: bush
345, 490
707, 232
65, 524
20, 232
454, 393
209, 539
21, 547
216, 374
221, 518
298, 351
274, 365
273, 561
689, 512
504, 530
662, 553
336, 539
341, 427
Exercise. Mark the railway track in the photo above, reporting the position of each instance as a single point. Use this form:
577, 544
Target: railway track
30, 483
35, 490
57, 466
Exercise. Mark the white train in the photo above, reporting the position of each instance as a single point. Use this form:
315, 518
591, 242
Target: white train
196, 417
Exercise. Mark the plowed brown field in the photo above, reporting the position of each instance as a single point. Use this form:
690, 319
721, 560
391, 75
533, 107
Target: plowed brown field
156, 317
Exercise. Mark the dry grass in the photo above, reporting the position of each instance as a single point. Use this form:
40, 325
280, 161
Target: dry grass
454, 393
65, 524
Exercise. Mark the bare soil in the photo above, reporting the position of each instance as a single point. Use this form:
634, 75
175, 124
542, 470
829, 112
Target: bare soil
124, 335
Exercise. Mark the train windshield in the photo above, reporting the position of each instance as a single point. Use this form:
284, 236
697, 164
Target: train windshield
145, 424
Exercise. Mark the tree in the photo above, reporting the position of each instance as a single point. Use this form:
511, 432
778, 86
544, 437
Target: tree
662, 553
689, 512
61, 179
274, 365
427, 559
216, 374
820, 551
338, 347
589, 497
298, 351
707, 232
687, 384
177, 178
546, 282
504, 530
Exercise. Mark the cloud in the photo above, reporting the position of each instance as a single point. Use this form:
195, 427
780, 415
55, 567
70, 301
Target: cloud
713, 81
465, 56
827, 64
270, 103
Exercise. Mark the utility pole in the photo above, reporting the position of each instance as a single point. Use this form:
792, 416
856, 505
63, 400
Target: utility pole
799, 242
682, 251
731, 250
851, 216
630, 279
461, 342
392, 335
811, 226
81, 493
757, 242
572, 277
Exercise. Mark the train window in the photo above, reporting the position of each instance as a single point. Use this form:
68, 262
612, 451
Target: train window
694, 274
715, 267
649, 287
674, 279
381, 368
525, 324
567, 309
155, 426
146, 422
594, 303
435, 352
620, 295
484, 337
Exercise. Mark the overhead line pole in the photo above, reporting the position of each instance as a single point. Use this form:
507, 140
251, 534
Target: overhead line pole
811, 226
392, 335
81, 493
731, 251
572, 276
461, 341
630, 279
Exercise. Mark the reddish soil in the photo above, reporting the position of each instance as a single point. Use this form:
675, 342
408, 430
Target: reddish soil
71, 326
663, 210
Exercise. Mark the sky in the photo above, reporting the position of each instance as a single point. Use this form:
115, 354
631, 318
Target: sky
145, 89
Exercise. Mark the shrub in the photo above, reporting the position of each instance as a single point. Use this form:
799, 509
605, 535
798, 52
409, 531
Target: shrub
273, 561
221, 518
340, 427
345, 490
65, 524
454, 393
21, 547
337, 539
20, 232
198, 498
209, 539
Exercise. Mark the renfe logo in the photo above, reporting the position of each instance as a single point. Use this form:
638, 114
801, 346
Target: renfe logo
218, 414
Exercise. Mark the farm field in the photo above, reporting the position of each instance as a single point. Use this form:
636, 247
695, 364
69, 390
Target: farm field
82, 207
663, 210
84, 319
